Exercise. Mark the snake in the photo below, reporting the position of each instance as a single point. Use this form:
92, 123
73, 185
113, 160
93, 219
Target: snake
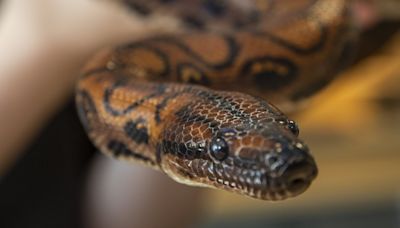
203, 105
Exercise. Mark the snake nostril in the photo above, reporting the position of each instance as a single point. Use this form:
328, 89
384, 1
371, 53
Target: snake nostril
296, 184
299, 175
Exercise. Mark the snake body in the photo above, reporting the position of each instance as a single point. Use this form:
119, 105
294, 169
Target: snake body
159, 101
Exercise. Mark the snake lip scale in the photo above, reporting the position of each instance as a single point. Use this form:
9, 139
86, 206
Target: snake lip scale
169, 102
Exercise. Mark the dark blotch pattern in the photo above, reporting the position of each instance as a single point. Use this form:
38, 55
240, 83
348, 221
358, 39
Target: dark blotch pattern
108, 94
120, 149
231, 55
137, 131
270, 72
189, 73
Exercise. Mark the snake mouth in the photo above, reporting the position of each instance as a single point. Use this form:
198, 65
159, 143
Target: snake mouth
260, 182
294, 180
260, 186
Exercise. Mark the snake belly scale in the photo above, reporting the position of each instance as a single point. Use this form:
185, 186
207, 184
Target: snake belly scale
170, 101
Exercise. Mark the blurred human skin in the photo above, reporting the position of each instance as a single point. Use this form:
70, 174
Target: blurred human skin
44, 44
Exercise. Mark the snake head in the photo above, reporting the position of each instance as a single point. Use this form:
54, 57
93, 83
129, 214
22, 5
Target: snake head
240, 144
265, 161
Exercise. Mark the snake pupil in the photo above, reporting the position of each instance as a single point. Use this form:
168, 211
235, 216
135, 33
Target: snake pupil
293, 127
219, 149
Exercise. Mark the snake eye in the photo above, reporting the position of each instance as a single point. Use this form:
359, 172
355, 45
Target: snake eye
219, 149
292, 126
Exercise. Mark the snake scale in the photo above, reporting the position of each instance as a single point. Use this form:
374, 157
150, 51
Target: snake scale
167, 101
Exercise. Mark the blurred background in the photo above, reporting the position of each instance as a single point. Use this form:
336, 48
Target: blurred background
352, 126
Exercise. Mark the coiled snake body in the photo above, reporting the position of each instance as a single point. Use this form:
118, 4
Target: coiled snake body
136, 105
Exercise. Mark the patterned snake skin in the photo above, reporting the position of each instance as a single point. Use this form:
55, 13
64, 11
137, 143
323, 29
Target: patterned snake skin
147, 102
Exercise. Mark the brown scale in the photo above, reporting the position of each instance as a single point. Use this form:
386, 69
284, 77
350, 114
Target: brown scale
133, 110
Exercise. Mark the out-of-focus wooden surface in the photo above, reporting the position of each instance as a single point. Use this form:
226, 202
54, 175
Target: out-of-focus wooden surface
353, 130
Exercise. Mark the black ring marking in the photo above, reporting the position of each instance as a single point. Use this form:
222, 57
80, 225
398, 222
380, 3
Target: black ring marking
162, 56
229, 60
109, 91
198, 77
120, 149
294, 48
344, 58
271, 79
160, 106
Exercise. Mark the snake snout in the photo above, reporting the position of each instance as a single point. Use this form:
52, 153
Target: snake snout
299, 175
